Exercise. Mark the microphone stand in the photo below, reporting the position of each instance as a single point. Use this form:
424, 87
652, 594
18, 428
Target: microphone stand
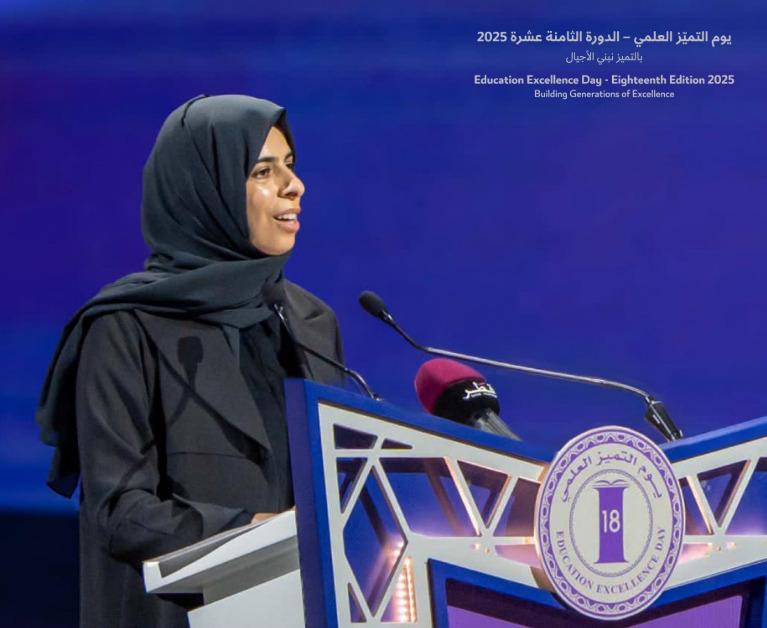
655, 413
279, 310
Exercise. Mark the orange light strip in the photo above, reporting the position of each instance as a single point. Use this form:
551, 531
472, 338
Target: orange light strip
404, 595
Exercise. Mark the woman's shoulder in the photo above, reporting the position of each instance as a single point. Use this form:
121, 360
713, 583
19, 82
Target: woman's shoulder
303, 302
132, 328
132, 340
114, 324
115, 347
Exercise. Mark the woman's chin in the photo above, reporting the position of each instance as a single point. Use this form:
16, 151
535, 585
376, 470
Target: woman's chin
279, 246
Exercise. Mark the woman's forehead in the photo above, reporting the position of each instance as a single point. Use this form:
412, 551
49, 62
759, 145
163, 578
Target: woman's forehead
276, 144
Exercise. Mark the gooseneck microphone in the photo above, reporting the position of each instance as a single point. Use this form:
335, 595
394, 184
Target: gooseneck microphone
655, 414
274, 297
457, 392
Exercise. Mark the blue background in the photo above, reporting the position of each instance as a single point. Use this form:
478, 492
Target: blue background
620, 238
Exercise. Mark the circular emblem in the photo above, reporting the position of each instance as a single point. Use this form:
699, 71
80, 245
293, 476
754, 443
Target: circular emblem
609, 523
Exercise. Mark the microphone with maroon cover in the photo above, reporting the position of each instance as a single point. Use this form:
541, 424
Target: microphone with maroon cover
457, 392
655, 413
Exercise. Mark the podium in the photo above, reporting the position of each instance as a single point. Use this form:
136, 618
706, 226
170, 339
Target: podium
406, 519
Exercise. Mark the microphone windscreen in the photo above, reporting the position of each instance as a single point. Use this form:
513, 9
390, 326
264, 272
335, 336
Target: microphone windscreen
372, 303
273, 294
436, 376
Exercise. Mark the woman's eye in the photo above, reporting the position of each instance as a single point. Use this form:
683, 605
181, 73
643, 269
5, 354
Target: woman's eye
262, 172
291, 167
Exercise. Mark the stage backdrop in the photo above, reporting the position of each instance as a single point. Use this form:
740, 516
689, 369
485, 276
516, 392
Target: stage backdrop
620, 237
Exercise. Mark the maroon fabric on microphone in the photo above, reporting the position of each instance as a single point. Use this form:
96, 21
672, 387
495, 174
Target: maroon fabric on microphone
438, 374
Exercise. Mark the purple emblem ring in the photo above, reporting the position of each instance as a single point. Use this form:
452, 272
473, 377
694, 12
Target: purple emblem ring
609, 523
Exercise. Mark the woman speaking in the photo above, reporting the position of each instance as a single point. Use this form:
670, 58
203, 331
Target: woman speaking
165, 393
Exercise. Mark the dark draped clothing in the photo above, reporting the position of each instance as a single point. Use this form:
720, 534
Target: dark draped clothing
179, 439
202, 263
164, 395
266, 357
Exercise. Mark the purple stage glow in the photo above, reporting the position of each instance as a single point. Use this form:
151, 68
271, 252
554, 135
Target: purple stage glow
722, 614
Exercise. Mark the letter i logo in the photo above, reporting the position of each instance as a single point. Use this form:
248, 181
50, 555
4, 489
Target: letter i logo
600, 482
611, 520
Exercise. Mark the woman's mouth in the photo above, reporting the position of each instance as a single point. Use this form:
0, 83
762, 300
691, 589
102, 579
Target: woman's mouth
288, 222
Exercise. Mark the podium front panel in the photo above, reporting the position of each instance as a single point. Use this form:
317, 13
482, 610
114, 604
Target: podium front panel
408, 519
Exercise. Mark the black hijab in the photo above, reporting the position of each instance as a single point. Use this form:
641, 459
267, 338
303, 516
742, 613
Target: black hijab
202, 264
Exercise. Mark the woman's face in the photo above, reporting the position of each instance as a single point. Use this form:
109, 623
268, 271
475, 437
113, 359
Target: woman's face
273, 197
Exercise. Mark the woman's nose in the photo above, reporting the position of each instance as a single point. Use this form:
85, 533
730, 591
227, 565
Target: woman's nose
294, 187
